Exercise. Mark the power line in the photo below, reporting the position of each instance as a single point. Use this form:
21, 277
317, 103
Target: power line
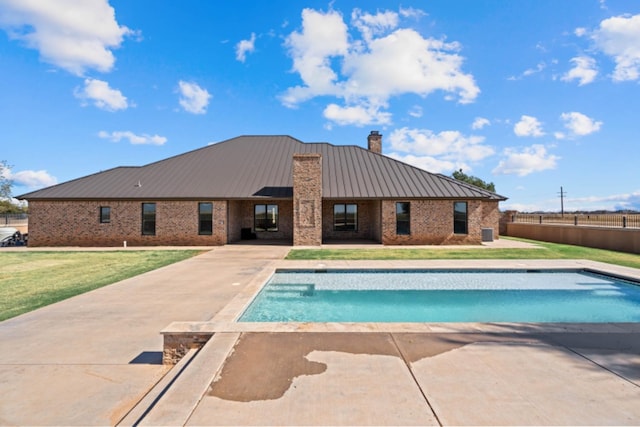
562, 194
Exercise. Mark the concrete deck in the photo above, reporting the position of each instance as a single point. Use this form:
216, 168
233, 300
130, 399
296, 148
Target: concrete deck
94, 359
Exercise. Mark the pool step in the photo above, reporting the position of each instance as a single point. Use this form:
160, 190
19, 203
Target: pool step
304, 289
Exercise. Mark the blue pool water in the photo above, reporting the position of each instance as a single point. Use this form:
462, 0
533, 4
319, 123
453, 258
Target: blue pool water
444, 296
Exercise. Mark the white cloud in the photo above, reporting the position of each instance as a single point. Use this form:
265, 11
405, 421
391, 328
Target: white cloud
530, 71
623, 201
529, 160
75, 35
366, 72
428, 163
245, 46
584, 70
410, 12
32, 179
619, 37
358, 115
479, 123
627, 201
101, 95
579, 124
373, 25
613, 202
528, 126
450, 148
405, 62
415, 111
580, 31
323, 36
133, 138
193, 98
538, 69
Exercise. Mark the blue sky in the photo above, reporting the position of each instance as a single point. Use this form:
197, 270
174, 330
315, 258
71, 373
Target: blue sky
532, 95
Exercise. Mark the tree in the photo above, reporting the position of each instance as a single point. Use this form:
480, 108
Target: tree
6, 207
470, 179
5, 181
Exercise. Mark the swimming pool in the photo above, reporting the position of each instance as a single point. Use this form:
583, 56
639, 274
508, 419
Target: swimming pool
576, 296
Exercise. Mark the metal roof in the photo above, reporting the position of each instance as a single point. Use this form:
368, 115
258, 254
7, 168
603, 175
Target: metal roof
261, 167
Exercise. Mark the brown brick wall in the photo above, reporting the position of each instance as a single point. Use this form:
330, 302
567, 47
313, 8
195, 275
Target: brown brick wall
235, 221
492, 217
77, 223
241, 215
432, 222
368, 221
307, 199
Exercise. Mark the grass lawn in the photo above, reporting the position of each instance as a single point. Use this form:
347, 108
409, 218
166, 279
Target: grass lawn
546, 251
30, 280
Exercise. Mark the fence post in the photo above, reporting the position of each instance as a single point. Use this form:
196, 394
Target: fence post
575, 220
624, 222
540, 219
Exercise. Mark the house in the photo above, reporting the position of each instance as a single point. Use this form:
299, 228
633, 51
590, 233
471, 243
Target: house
263, 187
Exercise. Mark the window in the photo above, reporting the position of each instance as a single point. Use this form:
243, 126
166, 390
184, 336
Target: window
403, 218
265, 218
105, 214
345, 217
148, 219
460, 218
205, 218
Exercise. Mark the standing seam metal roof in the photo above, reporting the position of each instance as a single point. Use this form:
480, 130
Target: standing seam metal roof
261, 167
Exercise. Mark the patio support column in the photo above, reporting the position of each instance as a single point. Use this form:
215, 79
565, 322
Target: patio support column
307, 199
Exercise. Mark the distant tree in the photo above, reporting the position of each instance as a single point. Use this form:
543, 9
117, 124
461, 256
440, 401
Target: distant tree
6, 207
5, 182
470, 179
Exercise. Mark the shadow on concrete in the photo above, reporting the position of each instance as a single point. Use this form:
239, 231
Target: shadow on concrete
147, 358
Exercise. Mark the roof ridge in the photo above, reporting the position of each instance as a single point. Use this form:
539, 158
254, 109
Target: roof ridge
210, 145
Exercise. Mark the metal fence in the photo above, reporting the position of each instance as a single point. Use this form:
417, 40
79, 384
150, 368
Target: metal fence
593, 220
7, 220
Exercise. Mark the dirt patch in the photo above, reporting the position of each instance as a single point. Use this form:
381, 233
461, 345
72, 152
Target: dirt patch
263, 365
415, 347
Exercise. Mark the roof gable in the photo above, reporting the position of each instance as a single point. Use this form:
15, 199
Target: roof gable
261, 167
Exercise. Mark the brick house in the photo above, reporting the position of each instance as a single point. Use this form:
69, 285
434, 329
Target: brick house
263, 187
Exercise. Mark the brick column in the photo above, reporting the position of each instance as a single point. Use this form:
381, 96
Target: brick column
307, 199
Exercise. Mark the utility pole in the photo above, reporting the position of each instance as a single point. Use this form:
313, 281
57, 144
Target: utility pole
562, 194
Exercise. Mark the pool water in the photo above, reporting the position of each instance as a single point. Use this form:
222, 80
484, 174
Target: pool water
445, 296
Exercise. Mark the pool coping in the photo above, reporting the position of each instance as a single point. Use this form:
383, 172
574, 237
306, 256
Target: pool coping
180, 337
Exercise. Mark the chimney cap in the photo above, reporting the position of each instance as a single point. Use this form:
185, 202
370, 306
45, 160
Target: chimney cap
374, 132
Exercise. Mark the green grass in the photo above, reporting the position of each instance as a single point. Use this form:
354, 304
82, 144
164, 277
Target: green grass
545, 251
30, 280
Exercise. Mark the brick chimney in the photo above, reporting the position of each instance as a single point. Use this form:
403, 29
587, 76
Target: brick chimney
374, 141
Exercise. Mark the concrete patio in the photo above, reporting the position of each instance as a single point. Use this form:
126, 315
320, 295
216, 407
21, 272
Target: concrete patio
95, 359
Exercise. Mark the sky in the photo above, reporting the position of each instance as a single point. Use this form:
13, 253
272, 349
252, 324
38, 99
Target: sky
533, 95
